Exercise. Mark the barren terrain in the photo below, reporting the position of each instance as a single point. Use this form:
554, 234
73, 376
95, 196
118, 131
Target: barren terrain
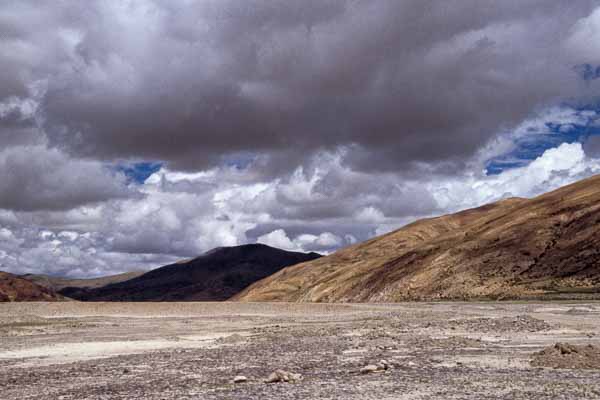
194, 350
15, 288
546, 248
213, 276
58, 284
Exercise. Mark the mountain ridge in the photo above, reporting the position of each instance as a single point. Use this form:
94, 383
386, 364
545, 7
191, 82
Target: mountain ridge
213, 276
60, 283
15, 288
513, 248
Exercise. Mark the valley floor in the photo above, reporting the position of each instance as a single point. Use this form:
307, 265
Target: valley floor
74, 350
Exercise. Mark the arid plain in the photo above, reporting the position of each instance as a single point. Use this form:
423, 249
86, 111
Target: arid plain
448, 350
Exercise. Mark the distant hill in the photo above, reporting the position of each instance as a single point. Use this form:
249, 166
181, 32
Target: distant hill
216, 275
546, 247
14, 288
58, 284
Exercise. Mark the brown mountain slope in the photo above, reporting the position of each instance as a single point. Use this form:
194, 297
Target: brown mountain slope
14, 288
548, 246
58, 284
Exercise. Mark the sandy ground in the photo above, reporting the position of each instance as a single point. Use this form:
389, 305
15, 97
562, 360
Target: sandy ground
194, 350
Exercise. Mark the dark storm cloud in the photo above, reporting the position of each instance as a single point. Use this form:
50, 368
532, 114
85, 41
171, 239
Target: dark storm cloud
35, 178
410, 81
592, 146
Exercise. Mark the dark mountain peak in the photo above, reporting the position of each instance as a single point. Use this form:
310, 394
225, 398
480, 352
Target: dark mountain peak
217, 274
243, 248
214, 251
249, 250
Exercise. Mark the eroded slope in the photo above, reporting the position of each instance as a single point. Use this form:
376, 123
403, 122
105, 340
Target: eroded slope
515, 248
13, 288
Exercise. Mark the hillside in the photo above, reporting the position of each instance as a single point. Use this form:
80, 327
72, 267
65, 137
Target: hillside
546, 247
57, 284
14, 288
216, 275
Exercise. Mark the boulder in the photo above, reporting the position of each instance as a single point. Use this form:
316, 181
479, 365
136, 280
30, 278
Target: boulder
283, 376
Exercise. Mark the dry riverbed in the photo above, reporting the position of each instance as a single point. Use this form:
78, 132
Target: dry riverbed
195, 350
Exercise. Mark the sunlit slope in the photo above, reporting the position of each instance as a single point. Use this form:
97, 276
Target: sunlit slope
515, 248
14, 288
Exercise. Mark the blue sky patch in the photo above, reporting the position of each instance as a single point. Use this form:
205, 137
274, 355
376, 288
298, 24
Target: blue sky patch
536, 140
239, 160
139, 172
588, 72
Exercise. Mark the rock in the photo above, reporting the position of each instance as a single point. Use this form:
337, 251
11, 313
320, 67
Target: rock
240, 379
568, 356
232, 339
272, 378
383, 365
369, 369
295, 377
283, 376
565, 348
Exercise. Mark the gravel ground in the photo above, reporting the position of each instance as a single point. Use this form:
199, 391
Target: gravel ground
195, 350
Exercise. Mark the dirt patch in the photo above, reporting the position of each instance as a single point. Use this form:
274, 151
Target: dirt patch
456, 342
519, 323
568, 356
21, 320
184, 351
232, 339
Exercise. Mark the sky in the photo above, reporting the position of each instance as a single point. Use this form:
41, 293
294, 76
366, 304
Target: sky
139, 132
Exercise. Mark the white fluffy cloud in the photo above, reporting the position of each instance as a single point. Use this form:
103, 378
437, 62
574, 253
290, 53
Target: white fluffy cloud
323, 242
277, 238
177, 215
556, 167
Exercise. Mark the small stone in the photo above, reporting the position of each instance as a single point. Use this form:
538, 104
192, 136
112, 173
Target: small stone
278, 376
240, 379
232, 339
368, 369
273, 378
383, 365
295, 377
283, 376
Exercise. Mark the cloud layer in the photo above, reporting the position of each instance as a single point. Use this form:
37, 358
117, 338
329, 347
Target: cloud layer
307, 125
181, 215
413, 81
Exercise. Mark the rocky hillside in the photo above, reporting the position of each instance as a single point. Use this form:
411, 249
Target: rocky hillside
14, 288
58, 284
216, 275
546, 247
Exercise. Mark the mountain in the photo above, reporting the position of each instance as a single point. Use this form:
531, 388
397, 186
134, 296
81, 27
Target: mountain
216, 275
545, 247
58, 284
14, 288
